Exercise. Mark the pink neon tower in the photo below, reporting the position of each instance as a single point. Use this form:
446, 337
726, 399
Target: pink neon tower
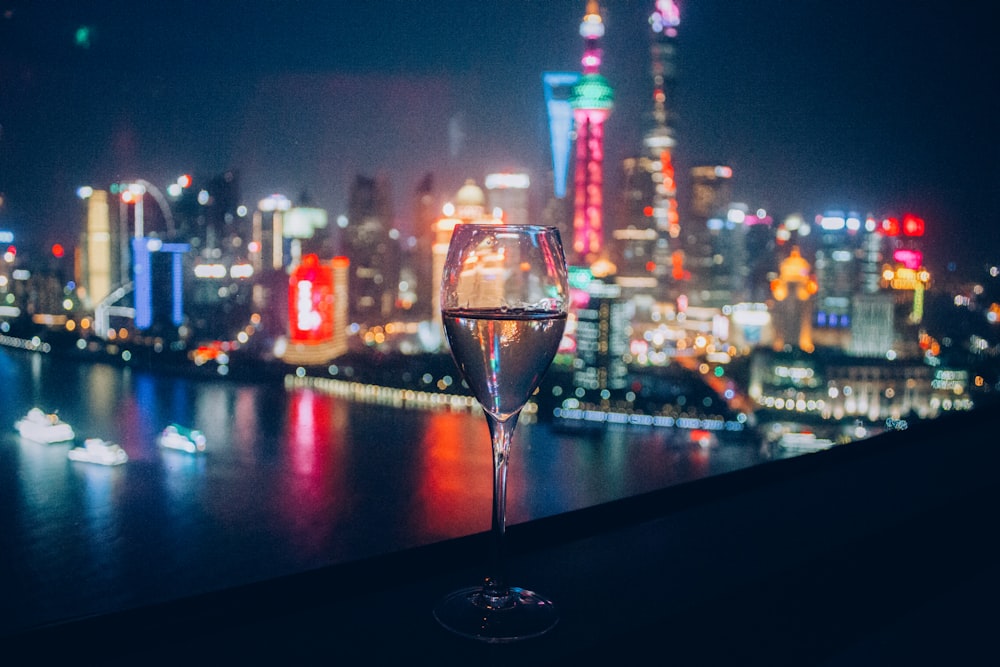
591, 101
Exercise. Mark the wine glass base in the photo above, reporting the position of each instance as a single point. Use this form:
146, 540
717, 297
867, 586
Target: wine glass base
471, 613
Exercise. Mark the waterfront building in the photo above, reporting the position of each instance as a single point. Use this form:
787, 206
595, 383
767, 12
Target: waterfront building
838, 274
835, 386
602, 331
158, 280
507, 196
468, 207
94, 279
218, 201
318, 304
375, 254
592, 102
267, 248
426, 211
873, 325
306, 230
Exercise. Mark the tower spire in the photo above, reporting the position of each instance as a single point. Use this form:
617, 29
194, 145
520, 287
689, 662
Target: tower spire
592, 101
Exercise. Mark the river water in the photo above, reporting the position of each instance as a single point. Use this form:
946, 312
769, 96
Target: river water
292, 479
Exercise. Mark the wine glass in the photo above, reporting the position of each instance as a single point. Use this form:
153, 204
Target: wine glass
504, 298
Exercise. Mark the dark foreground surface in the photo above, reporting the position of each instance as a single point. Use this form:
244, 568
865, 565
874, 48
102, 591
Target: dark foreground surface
876, 553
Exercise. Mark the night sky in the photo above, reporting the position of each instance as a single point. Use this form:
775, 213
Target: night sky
876, 106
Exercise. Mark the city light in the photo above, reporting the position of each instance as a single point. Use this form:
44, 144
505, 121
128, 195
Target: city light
701, 291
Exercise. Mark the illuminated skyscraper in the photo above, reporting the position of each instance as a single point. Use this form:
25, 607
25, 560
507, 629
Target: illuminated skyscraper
96, 278
643, 242
318, 302
602, 338
659, 140
592, 101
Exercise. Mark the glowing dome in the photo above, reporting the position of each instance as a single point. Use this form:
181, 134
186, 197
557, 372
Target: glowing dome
470, 201
470, 194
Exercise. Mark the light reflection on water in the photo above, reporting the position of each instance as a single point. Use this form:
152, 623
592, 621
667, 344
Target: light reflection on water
291, 480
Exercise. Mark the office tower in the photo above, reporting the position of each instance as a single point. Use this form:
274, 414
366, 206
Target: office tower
635, 239
709, 214
508, 193
318, 304
871, 257
467, 207
905, 274
219, 199
307, 231
873, 321
645, 248
659, 141
873, 327
159, 285
375, 255
267, 250
838, 275
97, 256
602, 338
592, 101
425, 212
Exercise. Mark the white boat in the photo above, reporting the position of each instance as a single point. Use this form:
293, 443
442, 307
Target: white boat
188, 440
99, 451
40, 426
804, 441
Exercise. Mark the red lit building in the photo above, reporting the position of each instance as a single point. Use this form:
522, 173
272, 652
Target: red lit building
317, 311
592, 101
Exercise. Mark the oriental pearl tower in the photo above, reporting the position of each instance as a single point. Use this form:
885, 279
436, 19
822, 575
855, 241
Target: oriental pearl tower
591, 101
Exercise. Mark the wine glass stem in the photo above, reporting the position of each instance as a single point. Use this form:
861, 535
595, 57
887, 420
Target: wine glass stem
500, 433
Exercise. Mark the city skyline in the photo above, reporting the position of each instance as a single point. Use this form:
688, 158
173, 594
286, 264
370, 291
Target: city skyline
813, 108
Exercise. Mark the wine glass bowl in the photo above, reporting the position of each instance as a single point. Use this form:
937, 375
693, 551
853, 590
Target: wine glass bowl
504, 301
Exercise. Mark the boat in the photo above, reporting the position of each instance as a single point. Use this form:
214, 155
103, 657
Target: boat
185, 439
40, 426
96, 450
804, 441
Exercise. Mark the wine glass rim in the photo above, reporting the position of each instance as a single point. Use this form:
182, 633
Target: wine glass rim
504, 226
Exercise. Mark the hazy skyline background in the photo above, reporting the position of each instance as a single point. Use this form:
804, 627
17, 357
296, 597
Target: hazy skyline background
872, 106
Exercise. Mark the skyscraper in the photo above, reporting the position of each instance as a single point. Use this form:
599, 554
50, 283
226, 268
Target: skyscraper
374, 255
659, 141
96, 279
643, 240
592, 101
426, 211
508, 192
706, 219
